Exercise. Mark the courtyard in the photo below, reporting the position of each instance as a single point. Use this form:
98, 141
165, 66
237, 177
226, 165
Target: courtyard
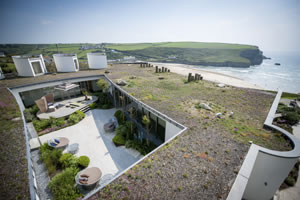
95, 143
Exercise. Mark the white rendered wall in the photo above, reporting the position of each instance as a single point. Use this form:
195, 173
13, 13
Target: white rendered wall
268, 173
65, 63
171, 130
97, 60
1, 75
23, 67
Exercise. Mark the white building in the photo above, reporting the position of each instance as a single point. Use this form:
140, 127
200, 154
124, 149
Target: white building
66, 62
97, 60
30, 65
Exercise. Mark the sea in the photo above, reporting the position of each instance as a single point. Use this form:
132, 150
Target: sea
285, 76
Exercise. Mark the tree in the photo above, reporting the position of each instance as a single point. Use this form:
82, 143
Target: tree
103, 85
147, 122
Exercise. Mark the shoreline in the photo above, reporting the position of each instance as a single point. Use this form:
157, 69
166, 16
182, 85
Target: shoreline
216, 77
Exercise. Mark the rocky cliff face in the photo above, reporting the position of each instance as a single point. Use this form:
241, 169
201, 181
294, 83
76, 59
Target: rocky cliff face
255, 56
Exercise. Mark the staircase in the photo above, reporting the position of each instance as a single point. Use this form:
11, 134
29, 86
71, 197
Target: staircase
85, 109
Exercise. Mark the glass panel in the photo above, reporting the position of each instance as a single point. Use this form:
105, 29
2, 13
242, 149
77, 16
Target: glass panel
37, 67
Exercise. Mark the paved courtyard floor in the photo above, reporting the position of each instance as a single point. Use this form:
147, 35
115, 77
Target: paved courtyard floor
96, 144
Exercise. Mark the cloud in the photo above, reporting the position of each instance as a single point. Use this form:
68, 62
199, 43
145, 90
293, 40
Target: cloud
46, 22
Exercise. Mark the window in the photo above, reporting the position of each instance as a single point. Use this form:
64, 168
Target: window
36, 66
75, 63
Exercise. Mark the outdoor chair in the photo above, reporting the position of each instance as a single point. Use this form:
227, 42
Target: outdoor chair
92, 176
61, 143
49, 99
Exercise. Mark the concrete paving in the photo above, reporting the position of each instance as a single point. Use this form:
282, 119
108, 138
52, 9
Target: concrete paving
66, 111
96, 144
292, 193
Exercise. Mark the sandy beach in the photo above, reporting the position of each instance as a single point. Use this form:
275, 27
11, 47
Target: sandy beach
209, 76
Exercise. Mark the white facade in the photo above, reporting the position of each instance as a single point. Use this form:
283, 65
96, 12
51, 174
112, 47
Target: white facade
66, 62
30, 65
171, 130
97, 60
1, 74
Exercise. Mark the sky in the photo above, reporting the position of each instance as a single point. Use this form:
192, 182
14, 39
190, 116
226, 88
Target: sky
269, 24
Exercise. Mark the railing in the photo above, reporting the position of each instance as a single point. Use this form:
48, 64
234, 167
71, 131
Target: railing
264, 170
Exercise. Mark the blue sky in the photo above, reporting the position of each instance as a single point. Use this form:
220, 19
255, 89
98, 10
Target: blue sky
270, 24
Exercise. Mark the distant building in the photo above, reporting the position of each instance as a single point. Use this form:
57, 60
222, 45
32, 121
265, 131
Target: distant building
172, 57
2, 54
66, 62
30, 65
129, 59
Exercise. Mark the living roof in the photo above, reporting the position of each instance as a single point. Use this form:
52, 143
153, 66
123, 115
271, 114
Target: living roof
204, 160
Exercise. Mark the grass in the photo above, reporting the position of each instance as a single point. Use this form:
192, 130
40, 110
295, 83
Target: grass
13, 163
212, 150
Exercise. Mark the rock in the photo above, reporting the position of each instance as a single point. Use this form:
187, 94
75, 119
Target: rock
161, 78
205, 106
231, 114
219, 115
221, 85
132, 77
16, 119
121, 82
107, 72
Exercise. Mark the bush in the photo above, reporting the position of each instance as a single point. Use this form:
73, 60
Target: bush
83, 161
120, 116
292, 118
76, 117
93, 105
119, 140
42, 124
290, 181
28, 116
50, 157
141, 147
59, 122
68, 160
62, 185
34, 109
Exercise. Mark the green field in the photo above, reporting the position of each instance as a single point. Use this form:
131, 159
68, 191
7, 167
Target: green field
194, 45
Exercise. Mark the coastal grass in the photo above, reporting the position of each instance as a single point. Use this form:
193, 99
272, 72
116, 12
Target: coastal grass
14, 174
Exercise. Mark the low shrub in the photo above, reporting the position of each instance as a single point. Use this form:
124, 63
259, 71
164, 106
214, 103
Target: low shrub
76, 117
68, 160
28, 116
290, 181
50, 157
62, 185
119, 140
83, 161
59, 122
292, 118
93, 105
42, 124
141, 147
120, 116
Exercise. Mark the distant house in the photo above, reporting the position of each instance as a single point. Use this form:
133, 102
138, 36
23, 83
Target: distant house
129, 59
172, 57
2, 54
30, 65
66, 62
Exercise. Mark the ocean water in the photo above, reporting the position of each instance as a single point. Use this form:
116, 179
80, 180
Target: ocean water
268, 75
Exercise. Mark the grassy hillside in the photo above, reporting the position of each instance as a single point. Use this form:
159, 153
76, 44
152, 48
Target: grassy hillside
197, 53
194, 45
